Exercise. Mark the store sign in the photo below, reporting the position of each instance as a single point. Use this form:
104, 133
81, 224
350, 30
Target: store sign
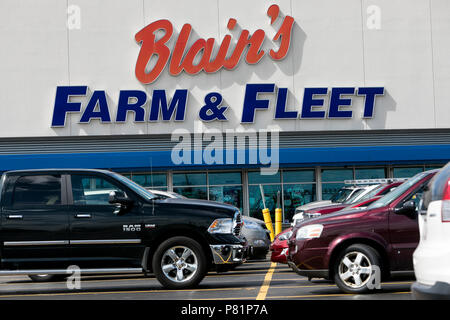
318, 102
202, 49
134, 103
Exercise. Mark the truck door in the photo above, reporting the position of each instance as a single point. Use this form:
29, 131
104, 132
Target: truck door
34, 222
99, 237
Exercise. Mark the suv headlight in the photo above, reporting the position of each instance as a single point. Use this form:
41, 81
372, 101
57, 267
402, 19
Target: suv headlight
309, 232
224, 225
251, 225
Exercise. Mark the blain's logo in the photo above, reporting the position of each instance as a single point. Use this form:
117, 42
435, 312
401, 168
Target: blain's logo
203, 48
131, 227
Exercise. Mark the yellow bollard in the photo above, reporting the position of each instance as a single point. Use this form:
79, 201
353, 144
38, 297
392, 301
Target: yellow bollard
268, 221
278, 220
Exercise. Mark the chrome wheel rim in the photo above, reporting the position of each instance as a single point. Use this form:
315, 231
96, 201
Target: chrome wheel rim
355, 269
179, 264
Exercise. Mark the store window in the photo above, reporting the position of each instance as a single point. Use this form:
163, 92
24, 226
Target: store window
333, 181
370, 173
406, 172
299, 188
226, 187
191, 185
295, 187
156, 181
271, 185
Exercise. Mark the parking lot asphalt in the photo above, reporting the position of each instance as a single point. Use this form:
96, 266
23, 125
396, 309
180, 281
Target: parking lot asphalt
254, 280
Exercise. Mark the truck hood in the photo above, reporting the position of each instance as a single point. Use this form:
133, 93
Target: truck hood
204, 204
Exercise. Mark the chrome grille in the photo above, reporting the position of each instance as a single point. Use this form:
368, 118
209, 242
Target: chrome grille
237, 223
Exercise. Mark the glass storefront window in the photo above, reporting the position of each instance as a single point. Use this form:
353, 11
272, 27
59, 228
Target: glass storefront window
255, 177
227, 194
337, 175
218, 178
370, 173
406, 172
155, 180
329, 189
290, 176
296, 195
256, 203
192, 192
189, 179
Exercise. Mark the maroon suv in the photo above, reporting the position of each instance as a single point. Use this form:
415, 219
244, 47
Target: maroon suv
349, 245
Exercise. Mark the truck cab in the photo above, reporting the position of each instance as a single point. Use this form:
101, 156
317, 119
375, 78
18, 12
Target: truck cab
103, 222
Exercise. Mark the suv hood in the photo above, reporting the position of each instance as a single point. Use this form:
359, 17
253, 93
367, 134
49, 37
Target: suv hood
353, 213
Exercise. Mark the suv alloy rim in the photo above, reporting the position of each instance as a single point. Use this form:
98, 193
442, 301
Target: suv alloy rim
355, 269
179, 264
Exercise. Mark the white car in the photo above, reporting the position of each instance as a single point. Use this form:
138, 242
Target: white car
432, 256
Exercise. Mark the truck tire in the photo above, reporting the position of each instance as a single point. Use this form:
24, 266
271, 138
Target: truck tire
179, 262
47, 277
355, 269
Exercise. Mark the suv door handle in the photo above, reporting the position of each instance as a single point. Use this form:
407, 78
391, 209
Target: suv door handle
83, 215
15, 216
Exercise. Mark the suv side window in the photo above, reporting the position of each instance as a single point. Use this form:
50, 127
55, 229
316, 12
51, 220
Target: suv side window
91, 190
37, 190
416, 197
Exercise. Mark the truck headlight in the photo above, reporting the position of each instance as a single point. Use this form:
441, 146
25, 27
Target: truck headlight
309, 232
224, 225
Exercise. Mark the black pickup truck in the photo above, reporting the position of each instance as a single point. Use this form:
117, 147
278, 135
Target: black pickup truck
102, 222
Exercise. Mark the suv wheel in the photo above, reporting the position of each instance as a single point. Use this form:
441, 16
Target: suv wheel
354, 267
47, 277
179, 262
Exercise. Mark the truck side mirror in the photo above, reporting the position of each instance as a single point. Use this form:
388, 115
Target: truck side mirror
120, 200
408, 208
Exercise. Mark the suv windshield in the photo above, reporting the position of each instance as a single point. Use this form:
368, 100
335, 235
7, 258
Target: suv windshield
391, 196
341, 195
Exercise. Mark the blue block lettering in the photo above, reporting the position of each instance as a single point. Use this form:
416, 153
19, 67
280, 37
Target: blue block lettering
159, 102
336, 101
309, 102
280, 111
124, 105
62, 106
98, 99
370, 93
251, 101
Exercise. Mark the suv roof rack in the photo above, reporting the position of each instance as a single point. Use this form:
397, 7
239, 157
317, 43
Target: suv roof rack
375, 181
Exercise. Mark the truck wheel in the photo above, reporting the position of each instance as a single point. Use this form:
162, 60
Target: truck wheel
47, 277
179, 262
355, 267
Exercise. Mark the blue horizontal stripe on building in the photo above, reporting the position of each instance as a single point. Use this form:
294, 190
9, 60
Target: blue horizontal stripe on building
287, 157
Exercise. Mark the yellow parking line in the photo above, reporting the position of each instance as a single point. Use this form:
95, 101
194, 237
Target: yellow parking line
266, 284
122, 292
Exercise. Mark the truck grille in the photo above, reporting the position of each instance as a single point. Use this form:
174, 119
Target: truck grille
237, 224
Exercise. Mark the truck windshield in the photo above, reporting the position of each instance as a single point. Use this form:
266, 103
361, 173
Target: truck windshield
135, 187
391, 196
